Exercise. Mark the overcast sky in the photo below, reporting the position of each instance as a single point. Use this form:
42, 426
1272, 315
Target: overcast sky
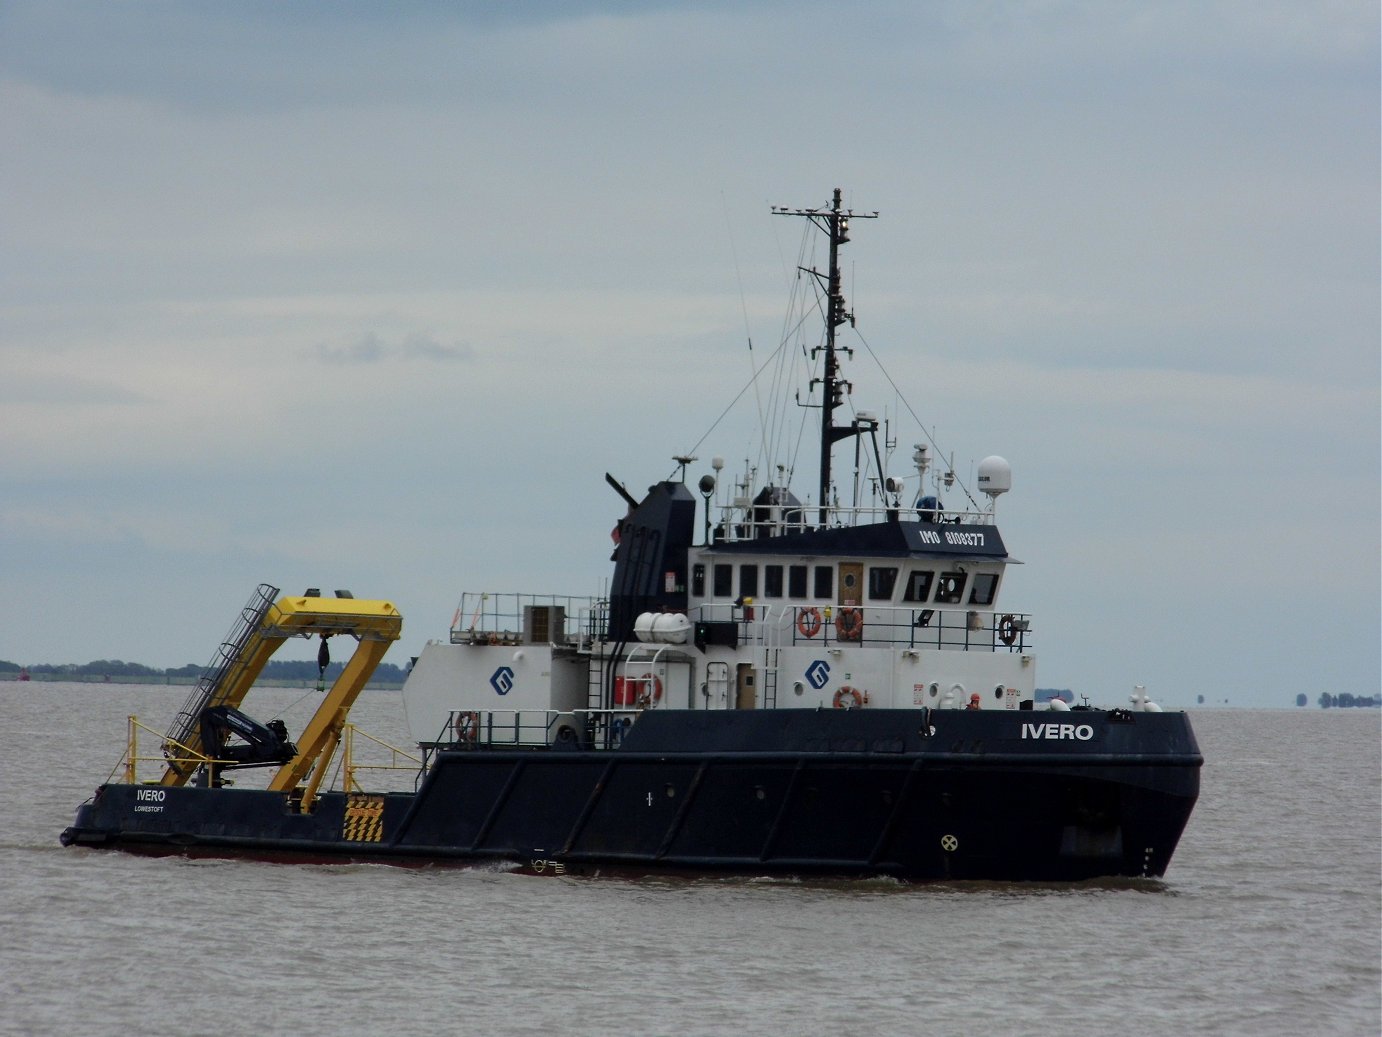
372, 296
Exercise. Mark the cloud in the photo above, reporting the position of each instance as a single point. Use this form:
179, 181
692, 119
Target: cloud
291, 287
371, 348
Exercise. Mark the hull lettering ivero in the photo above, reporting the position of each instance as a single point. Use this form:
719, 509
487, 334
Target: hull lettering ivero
1080, 732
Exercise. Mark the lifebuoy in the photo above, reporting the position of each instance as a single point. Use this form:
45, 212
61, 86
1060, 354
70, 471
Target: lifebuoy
647, 697
849, 624
465, 726
849, 698
1007, 630
637, 691
809, 621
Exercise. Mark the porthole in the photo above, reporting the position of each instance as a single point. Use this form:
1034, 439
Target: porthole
998, 692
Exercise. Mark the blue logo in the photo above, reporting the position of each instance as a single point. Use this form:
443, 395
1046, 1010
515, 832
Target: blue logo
502, 681
818, 673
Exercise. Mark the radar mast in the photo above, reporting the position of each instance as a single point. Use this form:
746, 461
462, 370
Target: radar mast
835, 223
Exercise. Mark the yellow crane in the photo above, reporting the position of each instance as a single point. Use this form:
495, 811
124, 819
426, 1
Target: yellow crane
265, 624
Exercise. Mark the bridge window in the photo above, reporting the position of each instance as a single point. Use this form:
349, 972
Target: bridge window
698, 580
724, 581
772, 581
796, 581
882, 580
984, 589
748, 581
918, 585
951, 588
825, 582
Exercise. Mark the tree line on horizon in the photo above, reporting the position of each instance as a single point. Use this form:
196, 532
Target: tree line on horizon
275, 669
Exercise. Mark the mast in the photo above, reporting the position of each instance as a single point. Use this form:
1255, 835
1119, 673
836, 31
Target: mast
835, 223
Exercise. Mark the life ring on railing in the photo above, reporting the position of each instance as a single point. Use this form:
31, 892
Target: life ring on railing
850, 698
640, 692
650, 690
1007, 630
849, 624
809, 621
465, 727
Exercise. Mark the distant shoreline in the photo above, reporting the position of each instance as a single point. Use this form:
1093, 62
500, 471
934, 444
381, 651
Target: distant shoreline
74, 678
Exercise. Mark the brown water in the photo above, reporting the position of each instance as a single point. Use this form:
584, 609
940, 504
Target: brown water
1269, 920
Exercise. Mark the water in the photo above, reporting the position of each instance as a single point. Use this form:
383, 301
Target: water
1268, 921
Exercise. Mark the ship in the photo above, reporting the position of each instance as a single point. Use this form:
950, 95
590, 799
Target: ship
766, 686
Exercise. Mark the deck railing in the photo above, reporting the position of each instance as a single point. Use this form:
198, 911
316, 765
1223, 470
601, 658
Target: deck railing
905, 626
513, 619
743, 520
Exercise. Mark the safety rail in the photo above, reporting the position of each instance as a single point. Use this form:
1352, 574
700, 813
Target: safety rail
350, 767
131, 760
745, 520
512, 619
910, 626
533, 729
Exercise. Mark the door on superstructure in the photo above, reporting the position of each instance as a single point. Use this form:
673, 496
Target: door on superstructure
745, 687
849, 618
851, 591
716, 688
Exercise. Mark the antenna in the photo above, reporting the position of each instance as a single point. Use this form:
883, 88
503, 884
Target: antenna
835, 223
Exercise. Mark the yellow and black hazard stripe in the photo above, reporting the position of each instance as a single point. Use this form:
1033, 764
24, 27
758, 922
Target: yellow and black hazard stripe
364, 819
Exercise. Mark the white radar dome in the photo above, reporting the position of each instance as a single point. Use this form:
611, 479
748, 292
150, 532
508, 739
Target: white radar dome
995, 476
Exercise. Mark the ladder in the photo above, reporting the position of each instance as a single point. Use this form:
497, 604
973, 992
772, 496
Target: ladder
185, 725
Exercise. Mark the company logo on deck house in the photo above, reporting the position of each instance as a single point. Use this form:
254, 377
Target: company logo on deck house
1057, 732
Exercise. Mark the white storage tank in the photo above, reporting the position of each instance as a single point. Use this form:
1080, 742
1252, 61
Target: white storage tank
667, 628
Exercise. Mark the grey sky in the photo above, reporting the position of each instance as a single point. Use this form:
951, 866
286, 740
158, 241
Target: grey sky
367, 296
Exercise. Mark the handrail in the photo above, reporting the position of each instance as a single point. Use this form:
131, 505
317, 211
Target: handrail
470, 728
131, 758
349, 766
909, 625
745, 520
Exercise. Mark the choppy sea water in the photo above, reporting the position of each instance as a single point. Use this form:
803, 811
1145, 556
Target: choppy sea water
1269, 920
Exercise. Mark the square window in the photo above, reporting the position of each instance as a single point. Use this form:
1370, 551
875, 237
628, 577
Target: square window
984, 590
951, 588
825, 582
882, 579
796, 581
918, 585
724, 581
772, 581
748, 581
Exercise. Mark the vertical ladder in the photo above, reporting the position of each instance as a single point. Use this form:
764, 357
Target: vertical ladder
772, 656
186, 724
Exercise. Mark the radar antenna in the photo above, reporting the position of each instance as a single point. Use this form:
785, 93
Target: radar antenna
835, 223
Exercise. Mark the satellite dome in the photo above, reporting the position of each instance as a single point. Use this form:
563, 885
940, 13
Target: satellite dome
995, 476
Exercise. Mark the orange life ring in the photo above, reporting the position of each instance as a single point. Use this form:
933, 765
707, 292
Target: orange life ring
465, 726
809, 621
1007, 630
634, 691
849, 624
645, 697
850, 698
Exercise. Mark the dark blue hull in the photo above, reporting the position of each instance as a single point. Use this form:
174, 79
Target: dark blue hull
951, 795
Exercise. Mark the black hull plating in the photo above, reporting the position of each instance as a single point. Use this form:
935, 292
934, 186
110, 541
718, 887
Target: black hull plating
1005, 796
